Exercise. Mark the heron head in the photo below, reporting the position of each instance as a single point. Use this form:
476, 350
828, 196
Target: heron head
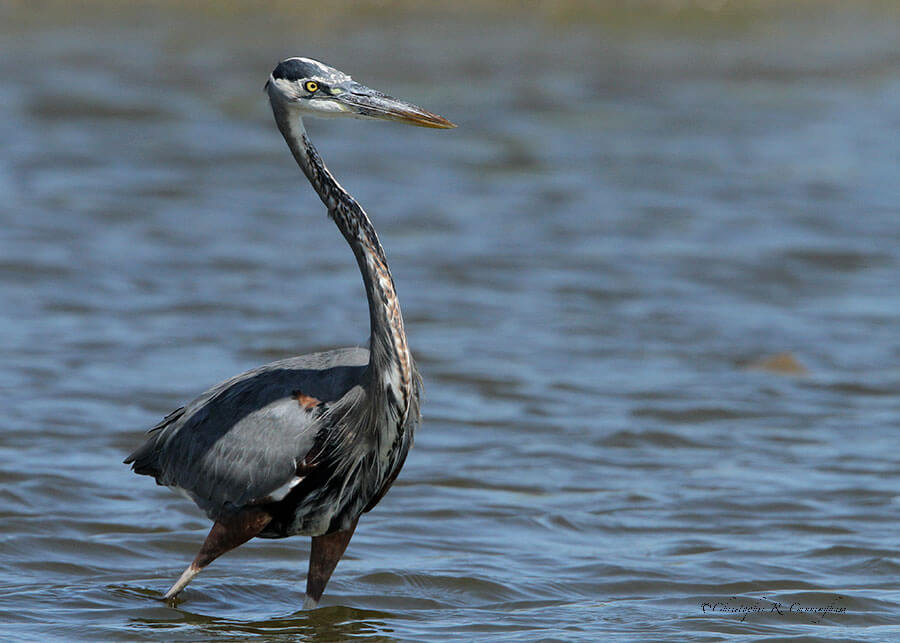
315, 89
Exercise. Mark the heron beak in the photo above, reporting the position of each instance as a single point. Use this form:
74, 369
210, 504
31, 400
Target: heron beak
365, 102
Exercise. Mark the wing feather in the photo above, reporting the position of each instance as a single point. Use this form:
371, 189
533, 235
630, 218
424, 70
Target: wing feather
240, 442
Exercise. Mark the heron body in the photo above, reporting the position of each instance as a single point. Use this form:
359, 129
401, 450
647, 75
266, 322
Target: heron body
305, 445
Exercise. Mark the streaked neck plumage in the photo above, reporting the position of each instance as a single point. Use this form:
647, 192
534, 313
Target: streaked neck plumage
390, 364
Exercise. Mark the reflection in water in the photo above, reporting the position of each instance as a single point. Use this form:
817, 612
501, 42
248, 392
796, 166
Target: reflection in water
324, 624
335, 623
637, 205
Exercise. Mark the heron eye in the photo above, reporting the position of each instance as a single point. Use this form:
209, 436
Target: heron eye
311, 86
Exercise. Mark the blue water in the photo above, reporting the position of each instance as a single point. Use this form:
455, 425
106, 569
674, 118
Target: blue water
650, 282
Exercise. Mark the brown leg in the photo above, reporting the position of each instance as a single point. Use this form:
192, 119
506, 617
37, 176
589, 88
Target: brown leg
224, 536
324, 555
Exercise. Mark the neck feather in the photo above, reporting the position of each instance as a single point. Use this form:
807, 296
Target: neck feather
390, 364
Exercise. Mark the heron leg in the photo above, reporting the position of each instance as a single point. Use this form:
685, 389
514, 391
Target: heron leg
324, 555
225, 535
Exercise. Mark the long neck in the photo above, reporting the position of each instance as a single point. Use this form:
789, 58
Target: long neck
390, 364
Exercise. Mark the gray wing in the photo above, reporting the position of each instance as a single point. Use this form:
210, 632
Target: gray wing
241, 441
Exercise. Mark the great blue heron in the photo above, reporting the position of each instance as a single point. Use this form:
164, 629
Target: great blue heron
305, 445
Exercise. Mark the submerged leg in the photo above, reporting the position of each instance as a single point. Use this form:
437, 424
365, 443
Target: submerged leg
224, 536
324, 555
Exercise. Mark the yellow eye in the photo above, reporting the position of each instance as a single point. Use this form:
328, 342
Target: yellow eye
311, 86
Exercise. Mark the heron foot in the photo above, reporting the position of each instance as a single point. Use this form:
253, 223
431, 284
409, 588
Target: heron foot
186, 576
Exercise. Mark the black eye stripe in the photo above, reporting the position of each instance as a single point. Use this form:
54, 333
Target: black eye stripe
295, 69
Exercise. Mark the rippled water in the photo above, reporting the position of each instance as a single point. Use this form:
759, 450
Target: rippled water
651, 283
